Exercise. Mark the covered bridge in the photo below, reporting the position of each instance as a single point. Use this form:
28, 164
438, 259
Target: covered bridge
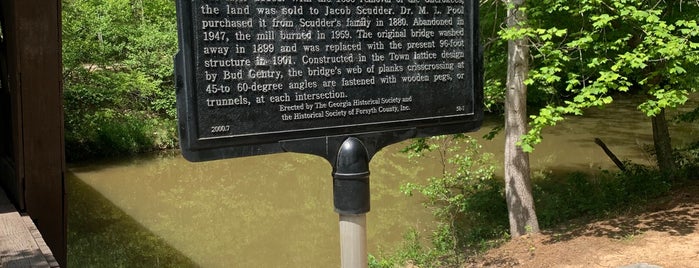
32, 158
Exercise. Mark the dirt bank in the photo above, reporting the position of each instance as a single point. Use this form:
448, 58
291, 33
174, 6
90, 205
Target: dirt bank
666, 235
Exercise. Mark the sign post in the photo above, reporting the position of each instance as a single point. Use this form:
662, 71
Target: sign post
351, 198
340, 79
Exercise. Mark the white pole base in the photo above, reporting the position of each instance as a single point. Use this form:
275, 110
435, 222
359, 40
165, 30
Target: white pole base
353, 241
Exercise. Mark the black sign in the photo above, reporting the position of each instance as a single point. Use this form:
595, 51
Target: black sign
253, 73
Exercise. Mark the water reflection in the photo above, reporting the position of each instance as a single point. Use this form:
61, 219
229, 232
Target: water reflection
267, 211
101, 235
569, 146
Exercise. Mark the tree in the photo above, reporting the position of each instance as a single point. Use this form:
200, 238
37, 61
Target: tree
518, 185
118, 76
602, 48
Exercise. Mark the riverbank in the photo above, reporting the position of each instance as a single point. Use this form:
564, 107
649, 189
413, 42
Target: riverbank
665, 232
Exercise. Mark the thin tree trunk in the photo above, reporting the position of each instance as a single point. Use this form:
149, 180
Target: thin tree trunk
518, 186
663, 145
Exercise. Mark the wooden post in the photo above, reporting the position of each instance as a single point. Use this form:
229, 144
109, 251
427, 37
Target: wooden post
32, 36
353, 241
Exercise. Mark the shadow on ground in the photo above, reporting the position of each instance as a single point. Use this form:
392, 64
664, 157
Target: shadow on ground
676, 215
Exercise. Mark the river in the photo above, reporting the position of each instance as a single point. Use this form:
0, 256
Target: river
276, 210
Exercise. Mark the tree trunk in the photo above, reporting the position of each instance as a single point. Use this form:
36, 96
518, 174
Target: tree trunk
663, 145
518, 186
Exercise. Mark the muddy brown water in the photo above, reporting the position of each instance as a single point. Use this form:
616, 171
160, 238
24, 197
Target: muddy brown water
276, 210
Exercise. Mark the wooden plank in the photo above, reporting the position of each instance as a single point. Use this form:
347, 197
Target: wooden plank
20, 241
43, 247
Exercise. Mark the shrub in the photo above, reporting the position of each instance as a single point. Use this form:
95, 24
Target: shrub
575, 195
467, 200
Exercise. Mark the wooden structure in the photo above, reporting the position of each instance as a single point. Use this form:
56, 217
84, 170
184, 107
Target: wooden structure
32, 158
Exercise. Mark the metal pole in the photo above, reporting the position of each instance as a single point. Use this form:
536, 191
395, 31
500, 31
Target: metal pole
353, 241
351, 199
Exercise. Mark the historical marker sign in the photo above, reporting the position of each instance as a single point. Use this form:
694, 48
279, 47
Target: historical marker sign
252, 73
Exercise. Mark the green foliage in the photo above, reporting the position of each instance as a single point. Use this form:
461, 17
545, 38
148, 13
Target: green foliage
494, 60
688, 160
410, 251
689, 117
469, 204
587, 51
106, 132
467, 201
118, 76
560, 199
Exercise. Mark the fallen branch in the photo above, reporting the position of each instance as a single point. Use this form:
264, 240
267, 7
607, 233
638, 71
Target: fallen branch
610, 154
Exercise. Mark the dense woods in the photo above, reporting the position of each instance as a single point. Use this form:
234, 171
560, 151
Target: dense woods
118, 76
